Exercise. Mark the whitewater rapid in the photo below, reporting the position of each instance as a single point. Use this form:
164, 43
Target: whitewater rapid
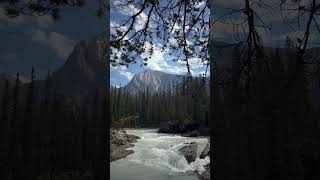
156, 156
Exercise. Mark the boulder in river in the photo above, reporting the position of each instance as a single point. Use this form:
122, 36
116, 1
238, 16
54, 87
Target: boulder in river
119, 142
120, 152
205, 175
190, 151
132, 138
206, 151
121, 137
194, 133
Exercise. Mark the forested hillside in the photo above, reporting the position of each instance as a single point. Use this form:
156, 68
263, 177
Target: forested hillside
44, 134
182, 103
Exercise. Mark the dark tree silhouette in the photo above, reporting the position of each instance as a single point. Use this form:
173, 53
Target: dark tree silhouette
14, 8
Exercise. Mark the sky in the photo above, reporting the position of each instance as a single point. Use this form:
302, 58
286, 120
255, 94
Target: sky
43, 42
222, 29
160, 60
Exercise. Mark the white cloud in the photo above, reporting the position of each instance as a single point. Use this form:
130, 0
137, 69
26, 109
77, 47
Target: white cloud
118, 68
38, 28
61, 44
159, 62
200, 5
123, 71
126, 74
196, 63
130, 10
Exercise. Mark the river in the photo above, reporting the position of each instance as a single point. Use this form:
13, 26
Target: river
156, 157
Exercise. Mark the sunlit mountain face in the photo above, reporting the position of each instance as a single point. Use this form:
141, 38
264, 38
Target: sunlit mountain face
154, 81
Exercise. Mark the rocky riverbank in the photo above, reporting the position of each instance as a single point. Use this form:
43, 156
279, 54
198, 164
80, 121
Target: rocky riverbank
190, 153
190, 150
206, 152
120, 141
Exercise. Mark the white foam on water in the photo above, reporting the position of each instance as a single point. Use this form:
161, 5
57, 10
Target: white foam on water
162, 151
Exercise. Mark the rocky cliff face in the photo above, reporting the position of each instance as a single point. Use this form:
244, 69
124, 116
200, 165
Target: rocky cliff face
85, 71
155, 81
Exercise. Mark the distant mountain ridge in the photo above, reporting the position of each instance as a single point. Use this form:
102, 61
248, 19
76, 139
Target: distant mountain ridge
155, 81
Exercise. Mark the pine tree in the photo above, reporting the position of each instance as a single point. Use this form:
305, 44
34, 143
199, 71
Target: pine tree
27, 127
14, 155
4, 129
5, 101
4, 113
236, 70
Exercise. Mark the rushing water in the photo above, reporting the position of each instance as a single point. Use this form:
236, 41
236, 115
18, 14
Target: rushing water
156, 157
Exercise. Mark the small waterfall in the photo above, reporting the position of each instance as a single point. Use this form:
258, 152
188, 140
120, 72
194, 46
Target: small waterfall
162, 152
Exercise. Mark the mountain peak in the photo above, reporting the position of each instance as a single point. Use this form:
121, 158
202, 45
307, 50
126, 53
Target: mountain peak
154, 80
85, 69
150, 72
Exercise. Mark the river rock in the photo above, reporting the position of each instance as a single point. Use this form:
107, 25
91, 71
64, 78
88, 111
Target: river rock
205, 175
121, 137
194, 133
132, 138
119, 142
189, 151
206, 151
120, 152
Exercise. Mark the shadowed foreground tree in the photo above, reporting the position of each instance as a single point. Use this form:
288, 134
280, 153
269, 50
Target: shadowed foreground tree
14, 8
266, 108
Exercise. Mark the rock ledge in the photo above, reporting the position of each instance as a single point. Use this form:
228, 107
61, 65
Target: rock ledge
120, 141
